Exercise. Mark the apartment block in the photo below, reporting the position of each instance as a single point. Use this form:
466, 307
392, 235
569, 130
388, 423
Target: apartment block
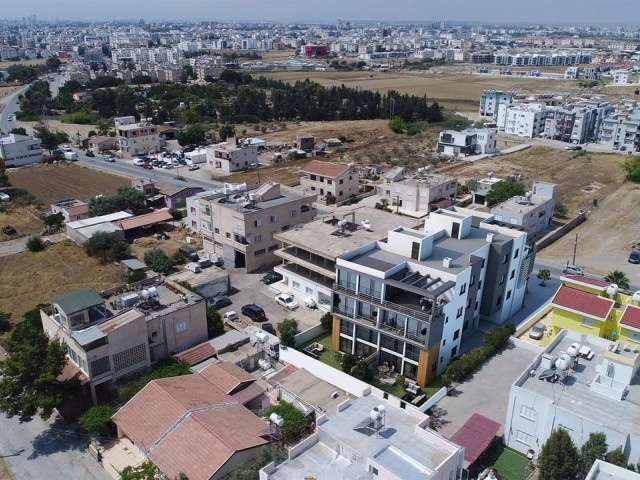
524, 120
577, 122
532, 212
331, 180
240, 225
621, 129
490, 100
120, 335
136, 138
309, 253
412, 298
419, 194
580, 383
230, 157
19, 150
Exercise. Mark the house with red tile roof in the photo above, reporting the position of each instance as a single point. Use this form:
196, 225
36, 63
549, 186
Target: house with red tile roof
330, 179
196, 424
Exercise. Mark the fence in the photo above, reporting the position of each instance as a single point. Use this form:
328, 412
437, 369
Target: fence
435, 398
560, 232
309, 334
358, 197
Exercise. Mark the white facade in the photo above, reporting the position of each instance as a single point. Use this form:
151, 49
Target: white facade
525, 120
621, 130
229, 157
622, 77
20, 150
490, 100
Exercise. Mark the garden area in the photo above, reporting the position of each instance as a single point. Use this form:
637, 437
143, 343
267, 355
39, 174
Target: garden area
507, 463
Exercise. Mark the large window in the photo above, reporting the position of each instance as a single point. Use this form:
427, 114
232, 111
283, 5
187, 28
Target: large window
523, 437
363, 350
346, 345
366, 334
346, 327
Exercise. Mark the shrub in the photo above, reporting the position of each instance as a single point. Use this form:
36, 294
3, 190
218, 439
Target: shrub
97, 419
215, 326
327, 321
397, 125
163, 369
136, 276
83, 118
35, 244
5, 322
287, 330
176, 213
158, 261
347, 362
295, 422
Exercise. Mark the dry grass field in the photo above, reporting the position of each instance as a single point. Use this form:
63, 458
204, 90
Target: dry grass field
50, 183
32, 278
33, 61
25, 219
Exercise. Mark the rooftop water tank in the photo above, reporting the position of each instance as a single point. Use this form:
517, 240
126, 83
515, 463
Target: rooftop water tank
636, 296
563, 362
276, 419
573, 350
612, 290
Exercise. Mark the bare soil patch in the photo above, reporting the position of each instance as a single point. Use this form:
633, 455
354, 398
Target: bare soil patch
50, 183
32, 278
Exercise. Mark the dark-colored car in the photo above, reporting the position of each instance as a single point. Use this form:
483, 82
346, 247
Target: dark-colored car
90, 154
271, 277
268, 327
634, 257
219, 301
189, 253
254, 312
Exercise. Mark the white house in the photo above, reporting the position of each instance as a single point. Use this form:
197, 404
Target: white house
19, 150
230, 157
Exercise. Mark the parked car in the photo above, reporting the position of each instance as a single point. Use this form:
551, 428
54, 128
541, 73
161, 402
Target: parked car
193, 167
286, 300
616, 147
90, 154
573, 270
230, 316
148, 166
623, 148
9, 230
109, 158
268, 327
219, 301
189, 253
271, 277
138, 162
634, 257
537, 331
254, 312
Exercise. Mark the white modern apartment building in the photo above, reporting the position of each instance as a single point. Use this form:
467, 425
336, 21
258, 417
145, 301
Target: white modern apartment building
523, 119
19, 150
490, 100
467, 142
137, 138
583, 384
230, 157
577, 122
621, 130
412, 298
241, 225
330, 180
622, 77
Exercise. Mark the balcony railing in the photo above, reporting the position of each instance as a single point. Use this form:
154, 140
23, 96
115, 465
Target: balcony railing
416, 336
373, 296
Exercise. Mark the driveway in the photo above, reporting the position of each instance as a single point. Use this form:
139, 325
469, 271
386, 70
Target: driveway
50, 449
18, 245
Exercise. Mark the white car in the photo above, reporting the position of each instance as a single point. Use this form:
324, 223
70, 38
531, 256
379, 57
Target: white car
138, 162
573, 270
109, 158
286, 300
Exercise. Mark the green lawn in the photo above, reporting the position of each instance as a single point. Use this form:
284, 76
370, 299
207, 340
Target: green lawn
509, 464
327, 356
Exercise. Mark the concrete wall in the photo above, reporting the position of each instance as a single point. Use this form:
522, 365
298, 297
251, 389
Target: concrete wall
309, 334
560, 232
308, 442
431, 401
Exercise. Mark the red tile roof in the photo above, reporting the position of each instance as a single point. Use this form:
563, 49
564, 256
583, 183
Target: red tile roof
282, 374
326, 169
145, 220
70, 371
475, 436
631, 317
197, 354
250, 392
588, 281
583, 302
226, 376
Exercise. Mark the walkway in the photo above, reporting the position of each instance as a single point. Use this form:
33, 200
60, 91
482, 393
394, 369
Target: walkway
11, 247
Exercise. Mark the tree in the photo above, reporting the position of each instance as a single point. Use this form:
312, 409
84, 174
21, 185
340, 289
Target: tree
35, 244
106, 248
505, 190
347, 362
29, 382
226, 131
617, 457
50, 139
54, 220
4, 178
5, 322
158, 261
595, 448
543, 275
362, 372
619, 278
176, 213
397, 125
18, 131
558, 457
97, 420
327, 321
127, 198
287, 330
192, 135
215, 326
295, 422
144, 471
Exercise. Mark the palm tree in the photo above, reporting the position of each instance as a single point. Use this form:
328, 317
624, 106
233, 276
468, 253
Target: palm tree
619, 278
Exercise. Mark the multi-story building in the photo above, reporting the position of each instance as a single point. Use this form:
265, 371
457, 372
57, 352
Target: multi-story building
411, 299
467, 142
419, 194
136, 138
621, 130
622, 77
113, 338
532, 212
309, 254
230, 157
580, 383
19, 150
522, 119
331, 180
577, 122
240, 225
490, 100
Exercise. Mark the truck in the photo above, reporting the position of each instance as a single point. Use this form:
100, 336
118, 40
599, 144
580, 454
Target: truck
73, 156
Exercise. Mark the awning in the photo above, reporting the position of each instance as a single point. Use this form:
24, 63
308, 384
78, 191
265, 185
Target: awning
476, 436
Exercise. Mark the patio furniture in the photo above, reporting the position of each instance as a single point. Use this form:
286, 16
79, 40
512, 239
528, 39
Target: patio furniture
314, 350
383, 370
412, 387
418, 399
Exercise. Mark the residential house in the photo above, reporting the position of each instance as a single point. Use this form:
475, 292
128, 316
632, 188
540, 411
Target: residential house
583, 384
467, 142
622, 77
309, 254
522, 119
196, 425
483, 187
532, 213
330, 180
100, 144
138, 138
412, 298
230, 157
419, 194
601, 470
240, 225
20, 150
370, 437
71, 209
120, 336
164, 193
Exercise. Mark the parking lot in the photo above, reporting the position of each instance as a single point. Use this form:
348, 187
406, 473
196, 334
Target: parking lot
248, 288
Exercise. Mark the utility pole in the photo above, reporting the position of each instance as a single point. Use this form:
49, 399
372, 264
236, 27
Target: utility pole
575, 249
397, 202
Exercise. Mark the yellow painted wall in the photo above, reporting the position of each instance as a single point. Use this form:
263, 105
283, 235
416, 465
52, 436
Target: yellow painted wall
427, 357
335, 334
563, 319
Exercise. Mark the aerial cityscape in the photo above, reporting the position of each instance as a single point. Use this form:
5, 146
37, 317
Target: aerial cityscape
290, 241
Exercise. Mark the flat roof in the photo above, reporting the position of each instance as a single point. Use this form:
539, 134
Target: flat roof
88, 335
576, 396
120, 320
286, 196
87, 222
520, 204
168, 300
206, 275
332, 246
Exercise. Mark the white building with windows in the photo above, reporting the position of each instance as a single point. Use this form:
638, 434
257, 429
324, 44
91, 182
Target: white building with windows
490, 100
19, 150
137, 138
523, 119
230, 156
621, 130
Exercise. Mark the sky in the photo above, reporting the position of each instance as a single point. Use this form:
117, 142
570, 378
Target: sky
589, 12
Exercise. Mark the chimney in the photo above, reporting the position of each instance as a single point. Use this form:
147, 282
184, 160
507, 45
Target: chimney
490, 237
446, 262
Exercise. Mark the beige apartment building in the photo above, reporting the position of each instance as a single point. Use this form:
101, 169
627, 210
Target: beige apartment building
240, 225
328, 179
230, 157
112, 338
137, 138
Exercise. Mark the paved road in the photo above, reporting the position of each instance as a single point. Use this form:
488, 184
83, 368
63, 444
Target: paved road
50, 449
7, 121
20, 244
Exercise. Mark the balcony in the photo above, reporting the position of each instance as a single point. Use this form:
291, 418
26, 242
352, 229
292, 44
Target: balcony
373, 297
308, 260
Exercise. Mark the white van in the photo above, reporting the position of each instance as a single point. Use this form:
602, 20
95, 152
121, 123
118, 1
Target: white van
230, 316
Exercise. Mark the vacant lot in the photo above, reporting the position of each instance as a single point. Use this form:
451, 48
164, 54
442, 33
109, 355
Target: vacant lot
32, 278
33, 61
50, 183
25, 219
